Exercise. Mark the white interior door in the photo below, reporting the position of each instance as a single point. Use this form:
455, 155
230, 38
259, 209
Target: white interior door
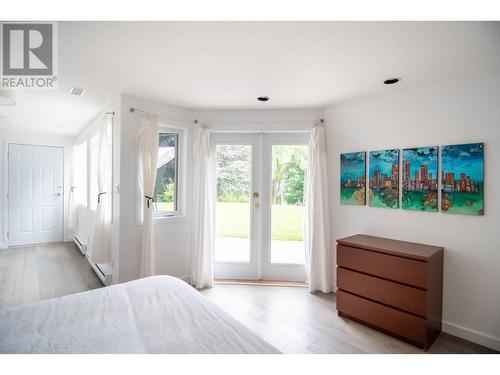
35, 194
260, 184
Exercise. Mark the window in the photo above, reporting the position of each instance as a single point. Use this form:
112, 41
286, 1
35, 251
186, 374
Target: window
166, 201
80, 173
93, 155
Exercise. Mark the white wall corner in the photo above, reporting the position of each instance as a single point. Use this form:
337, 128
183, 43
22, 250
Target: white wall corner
471, 335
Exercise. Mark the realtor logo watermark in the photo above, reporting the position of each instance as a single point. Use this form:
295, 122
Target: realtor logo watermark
28, 56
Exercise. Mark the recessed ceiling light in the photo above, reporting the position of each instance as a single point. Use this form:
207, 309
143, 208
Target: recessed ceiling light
76, 91
263, 98
391, 81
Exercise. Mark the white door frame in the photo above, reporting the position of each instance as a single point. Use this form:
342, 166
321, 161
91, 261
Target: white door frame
260, 266
5, 187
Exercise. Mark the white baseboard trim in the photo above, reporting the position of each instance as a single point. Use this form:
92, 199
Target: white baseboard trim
471, 335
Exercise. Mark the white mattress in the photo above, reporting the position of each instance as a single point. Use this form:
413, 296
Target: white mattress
159, 314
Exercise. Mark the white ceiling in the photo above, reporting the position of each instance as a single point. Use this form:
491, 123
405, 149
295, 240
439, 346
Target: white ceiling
228, 64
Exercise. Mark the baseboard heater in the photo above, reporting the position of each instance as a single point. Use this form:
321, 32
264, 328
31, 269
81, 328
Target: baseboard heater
82, 246
101, 270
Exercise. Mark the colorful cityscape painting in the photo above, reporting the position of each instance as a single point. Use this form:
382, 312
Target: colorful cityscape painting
462, 183
384, 179
353, 178
420, 179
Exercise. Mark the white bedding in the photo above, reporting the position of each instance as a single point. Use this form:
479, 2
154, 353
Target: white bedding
159, 314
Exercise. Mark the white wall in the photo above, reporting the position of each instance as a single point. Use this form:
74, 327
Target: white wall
276, 120
36, 139
461, 111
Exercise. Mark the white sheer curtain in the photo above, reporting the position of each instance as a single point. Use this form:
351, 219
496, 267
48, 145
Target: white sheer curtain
147, 153
202, 268
101, 241
73, 214
317, 241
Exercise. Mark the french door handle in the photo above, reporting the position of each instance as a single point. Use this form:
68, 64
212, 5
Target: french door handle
255, 194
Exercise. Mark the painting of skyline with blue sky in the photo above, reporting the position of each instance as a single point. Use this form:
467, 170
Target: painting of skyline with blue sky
420, 179
384, 178
353, 178
462, 185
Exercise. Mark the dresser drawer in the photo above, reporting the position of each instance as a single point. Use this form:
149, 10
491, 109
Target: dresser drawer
403, 270
383, 317
400, 296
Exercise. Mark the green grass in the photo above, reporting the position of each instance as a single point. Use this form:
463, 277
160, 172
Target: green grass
233, 220
165, 206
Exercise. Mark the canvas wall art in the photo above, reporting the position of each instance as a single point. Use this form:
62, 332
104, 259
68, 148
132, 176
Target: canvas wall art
462, 181
384, 178
353, 178
420, 179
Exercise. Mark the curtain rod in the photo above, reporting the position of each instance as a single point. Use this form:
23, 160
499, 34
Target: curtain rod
134, 110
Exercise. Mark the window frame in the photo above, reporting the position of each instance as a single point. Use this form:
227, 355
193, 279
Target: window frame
179, 174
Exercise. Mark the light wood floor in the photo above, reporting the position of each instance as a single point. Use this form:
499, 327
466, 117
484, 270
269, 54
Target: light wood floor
296, 321
29, 274
290, 318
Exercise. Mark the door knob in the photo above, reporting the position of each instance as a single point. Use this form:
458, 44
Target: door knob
255, 195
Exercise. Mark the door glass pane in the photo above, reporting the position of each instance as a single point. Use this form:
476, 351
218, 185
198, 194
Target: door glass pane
233, 210
287, 198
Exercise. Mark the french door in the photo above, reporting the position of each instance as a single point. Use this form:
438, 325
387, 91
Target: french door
35, 194
260, 186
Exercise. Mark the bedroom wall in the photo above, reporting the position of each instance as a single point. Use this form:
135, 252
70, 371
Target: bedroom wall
461, 111
38, 139
276, 120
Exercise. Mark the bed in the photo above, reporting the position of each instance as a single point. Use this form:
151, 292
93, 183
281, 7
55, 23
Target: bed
159, 314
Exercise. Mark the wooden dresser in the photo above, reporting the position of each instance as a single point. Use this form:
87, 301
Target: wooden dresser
393, 286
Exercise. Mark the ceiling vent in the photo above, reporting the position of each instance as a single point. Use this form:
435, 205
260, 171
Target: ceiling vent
76, 91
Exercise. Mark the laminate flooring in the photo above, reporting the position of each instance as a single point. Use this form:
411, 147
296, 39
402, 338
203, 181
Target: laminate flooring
33, 273
296, 321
